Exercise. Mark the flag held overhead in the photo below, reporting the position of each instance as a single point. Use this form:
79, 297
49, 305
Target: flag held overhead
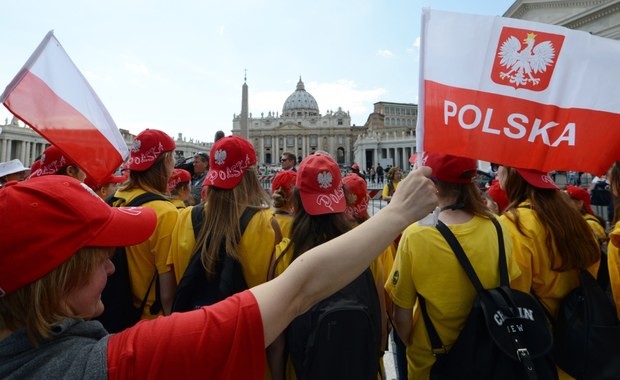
52, 96
519, 93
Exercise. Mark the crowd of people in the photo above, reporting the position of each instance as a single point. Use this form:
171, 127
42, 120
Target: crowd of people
280, 261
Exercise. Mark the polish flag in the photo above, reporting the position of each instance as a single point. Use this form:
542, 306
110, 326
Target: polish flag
518, 93
51, 95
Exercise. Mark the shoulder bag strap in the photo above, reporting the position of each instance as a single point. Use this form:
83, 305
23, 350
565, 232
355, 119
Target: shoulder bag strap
139, 201
460, 255
436, 344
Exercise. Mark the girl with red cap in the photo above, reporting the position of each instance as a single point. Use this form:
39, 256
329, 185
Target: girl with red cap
282, 198
150, 166
552, 240
426, 269
581, 200
320, 204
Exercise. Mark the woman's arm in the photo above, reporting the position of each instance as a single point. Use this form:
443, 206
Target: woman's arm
330, 266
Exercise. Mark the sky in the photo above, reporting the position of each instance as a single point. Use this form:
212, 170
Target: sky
179, 66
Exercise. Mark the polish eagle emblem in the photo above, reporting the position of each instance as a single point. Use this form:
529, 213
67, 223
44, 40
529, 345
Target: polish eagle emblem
524, 64
220, 156
324, 179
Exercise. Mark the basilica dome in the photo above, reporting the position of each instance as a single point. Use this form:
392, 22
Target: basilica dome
300, 103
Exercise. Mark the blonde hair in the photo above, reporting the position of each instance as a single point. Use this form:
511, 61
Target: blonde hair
222, 212
154, 179
37, 307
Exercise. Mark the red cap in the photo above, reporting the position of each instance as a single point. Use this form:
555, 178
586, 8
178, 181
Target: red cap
178, 176
356, 194
230, 158
109, 179
450, 169
35, 166
320, 185
147, 147
580, 194
355, 167
45, 220
52, 160
498, 195
537, 178
285, 179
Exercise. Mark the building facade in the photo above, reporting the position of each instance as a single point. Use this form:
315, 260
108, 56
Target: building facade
598, 17
389, 136
300, 129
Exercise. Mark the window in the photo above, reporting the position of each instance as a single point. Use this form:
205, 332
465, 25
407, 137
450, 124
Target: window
290, 140
339, 121
267, 141
300, 141
340, 140
314, 140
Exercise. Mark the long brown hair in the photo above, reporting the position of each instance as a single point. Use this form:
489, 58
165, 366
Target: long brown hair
614, 187
309, 231
466, 194
37, 306
154, 179
222, 211
564, 226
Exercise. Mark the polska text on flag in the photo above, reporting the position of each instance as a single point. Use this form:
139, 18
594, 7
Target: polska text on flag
518, 93
51, 95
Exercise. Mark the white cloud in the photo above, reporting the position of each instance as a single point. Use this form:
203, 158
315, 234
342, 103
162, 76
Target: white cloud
385, 53
415, 47
221, 30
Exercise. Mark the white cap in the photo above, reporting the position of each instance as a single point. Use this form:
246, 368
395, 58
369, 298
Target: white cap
11, 167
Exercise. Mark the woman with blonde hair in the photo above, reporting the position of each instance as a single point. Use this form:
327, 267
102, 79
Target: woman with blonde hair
394, 176
150, 166
232, 189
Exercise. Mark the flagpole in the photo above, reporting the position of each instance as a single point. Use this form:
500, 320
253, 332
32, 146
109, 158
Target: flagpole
419, 129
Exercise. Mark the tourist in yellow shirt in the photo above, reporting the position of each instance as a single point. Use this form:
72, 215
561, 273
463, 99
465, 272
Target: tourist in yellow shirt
552, 241
425, 264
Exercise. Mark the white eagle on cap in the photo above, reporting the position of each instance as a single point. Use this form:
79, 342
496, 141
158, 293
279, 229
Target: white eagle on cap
325, 180
220, 156
524, 62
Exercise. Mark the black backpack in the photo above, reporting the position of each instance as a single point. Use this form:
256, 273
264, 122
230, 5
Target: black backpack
119, 312
506, 335
340, 337
195, 288
587, 333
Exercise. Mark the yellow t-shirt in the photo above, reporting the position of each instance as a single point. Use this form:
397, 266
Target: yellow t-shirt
530, 252
386, 189
144, 258
286, 223
613, 261
425, 264
596, 227
255, 248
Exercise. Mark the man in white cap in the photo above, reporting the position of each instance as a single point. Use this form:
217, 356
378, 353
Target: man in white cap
12, 170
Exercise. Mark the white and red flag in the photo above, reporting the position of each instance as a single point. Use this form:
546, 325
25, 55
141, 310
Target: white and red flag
518, 93
51, 95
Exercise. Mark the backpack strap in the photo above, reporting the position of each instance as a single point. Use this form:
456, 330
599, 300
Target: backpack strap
436, 344
139, 201
197, 218
274, 260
